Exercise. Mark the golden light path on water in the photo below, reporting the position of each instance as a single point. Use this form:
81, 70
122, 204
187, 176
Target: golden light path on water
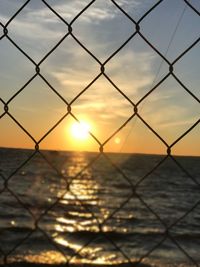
79, 229
81, 224
79, 211
83, 217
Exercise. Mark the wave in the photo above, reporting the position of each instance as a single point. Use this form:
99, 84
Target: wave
115, 234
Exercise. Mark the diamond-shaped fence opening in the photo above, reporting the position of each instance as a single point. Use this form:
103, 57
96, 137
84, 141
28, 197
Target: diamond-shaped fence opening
106, 107
11, 134
175, 184
127, 73
135, 136
11, 160
20, 76
170, 110
186, 145
16, 221
32, 103
23, 32
37, 247
41, 188
190, 232
164, 33
135, 77
69, 74
101, 15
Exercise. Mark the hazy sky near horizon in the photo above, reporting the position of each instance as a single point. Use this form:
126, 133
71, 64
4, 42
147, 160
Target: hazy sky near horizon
171, 27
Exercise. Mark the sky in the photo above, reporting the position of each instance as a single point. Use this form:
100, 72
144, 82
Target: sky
170, 111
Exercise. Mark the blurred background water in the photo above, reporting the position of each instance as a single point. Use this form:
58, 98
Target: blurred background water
94, 209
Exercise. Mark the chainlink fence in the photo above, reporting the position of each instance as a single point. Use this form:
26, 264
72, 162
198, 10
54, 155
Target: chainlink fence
6, 188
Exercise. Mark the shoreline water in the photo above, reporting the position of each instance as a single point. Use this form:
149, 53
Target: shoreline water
99, 208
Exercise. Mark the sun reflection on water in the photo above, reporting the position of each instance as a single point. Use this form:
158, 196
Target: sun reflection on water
79, 223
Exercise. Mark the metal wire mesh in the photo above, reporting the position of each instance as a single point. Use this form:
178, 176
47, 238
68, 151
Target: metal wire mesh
69, 113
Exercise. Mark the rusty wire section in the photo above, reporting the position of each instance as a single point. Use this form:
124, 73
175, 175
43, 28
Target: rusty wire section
69, 112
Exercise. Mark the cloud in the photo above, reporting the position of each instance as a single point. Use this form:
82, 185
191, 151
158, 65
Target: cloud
181, 122
8, 8
70, 69
166, 113
98, 11
131, 71
74, 77
37, 29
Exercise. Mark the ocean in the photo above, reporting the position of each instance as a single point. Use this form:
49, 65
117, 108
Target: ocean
88, 209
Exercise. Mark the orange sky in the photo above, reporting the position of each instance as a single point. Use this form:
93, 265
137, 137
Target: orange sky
69, 70
135, 138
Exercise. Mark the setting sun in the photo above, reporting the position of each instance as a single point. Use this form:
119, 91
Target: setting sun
80, 130
117, 140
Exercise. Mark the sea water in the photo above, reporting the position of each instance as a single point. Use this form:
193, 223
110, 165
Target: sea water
83, 209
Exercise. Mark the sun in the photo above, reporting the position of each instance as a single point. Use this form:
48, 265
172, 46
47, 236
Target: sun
80, 130
117, 140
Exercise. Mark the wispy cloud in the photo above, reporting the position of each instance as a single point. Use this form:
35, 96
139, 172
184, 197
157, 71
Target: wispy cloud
74, 77
99, 10
168, 115
132, 71
181, 122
